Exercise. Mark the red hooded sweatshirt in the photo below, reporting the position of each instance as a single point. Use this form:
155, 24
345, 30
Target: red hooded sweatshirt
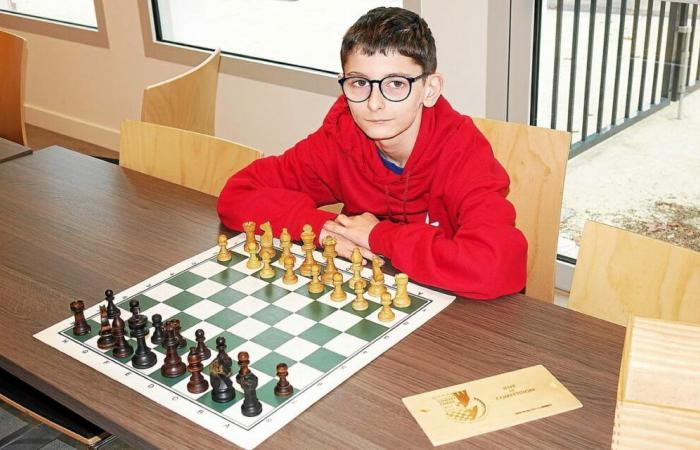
444, 221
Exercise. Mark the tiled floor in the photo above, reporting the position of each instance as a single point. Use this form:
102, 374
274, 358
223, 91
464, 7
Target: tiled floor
19, 431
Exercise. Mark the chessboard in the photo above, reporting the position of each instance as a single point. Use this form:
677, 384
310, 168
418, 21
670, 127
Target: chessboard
322, 341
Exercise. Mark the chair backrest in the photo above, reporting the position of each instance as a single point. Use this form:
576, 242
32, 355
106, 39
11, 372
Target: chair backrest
190, 159
535, 159
187, 101
13, 66
620, 273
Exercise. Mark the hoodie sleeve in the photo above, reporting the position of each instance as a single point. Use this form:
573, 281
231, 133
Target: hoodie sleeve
284, 190
487, 256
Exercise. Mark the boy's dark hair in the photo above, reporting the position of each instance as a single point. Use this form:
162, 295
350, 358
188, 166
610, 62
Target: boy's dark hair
391, 29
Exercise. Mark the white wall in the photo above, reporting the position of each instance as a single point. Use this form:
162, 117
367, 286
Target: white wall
86, 91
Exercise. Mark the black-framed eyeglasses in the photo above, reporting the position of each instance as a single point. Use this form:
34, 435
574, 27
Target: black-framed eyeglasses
394, 88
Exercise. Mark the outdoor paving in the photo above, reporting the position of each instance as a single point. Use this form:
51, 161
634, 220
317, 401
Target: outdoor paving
646, 179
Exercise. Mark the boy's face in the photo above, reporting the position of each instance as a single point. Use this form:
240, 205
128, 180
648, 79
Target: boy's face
382, 120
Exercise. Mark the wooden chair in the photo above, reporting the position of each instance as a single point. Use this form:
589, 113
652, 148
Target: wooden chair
187, 101
190, 159
13, 67
619, 272
535, 159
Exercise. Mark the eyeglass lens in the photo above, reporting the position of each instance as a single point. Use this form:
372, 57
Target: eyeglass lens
359, 89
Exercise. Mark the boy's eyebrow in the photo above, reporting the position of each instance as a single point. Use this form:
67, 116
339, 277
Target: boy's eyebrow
393, 74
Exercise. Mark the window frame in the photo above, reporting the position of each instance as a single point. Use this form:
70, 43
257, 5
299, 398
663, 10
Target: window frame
255, 68
83, 34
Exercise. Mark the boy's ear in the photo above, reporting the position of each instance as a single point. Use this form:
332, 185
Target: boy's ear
433, 88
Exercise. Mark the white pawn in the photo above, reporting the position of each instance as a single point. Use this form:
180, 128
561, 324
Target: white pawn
385, 313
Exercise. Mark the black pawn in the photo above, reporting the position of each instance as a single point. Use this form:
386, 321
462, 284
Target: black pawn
134, 307
81, 327
106, 339
202, 348
283, 388
251, 405
157, 337
122, 348
221, 385
143, 357
111, 309
243, 363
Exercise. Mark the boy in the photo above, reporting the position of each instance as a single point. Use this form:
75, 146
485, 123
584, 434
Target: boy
419, 182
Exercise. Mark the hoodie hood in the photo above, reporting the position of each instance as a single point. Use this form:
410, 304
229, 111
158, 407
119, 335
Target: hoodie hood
438, 123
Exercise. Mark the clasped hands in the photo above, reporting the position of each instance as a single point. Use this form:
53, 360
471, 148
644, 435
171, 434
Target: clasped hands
351, 232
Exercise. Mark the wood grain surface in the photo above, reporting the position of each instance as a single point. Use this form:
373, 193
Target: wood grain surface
657, 399
194, 160
73, 226
187, 101
535, 159
11, 150
619, 273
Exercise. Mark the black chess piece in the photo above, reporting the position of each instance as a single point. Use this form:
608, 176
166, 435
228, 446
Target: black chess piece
220, 375
197, 383
243, 363
121, 348
181, 341
111, 308
81, 327
106, 339
251, 405
134, 307
202, 348
157, 337
221, 347
173, 366
143, 357
222, 356
283, 388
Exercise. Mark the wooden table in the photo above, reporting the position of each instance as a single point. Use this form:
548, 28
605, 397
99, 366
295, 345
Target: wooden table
73, 226
11, 150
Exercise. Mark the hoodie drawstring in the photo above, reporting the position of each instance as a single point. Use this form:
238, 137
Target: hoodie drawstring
405, 195
388, 202
404, 199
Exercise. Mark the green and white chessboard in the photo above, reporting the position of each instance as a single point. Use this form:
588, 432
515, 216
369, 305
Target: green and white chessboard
322, 341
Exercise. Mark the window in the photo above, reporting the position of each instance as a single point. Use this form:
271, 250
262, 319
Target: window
300, 33
72, 12
624, 79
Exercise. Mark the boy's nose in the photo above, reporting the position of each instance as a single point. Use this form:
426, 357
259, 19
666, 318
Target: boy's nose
375, 102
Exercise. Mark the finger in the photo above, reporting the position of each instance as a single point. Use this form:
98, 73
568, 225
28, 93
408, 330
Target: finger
332, 227
343, 219
366, 253
340, 230
344, 252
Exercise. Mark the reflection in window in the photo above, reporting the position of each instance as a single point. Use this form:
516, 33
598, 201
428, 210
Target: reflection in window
305, 33
72, 12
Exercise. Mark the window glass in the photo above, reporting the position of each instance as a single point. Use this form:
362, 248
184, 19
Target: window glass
624, 79
303, 33
73, 12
